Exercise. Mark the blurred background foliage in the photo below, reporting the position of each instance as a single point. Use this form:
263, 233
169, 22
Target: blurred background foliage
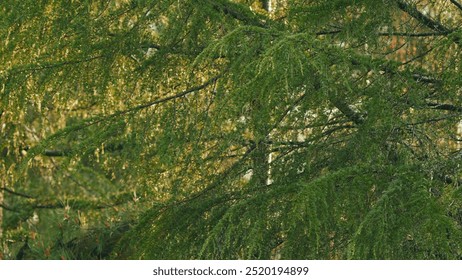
230, 129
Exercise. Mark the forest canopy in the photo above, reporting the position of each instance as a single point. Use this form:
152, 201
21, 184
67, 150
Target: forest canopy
231, 129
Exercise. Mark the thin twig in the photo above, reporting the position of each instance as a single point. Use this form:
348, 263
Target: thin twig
8, 190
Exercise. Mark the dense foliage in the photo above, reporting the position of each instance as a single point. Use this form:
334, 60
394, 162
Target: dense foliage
224, 129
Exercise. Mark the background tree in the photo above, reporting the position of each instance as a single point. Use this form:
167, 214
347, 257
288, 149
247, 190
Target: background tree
225, 129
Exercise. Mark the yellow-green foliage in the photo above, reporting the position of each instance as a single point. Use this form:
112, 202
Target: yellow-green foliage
218, 129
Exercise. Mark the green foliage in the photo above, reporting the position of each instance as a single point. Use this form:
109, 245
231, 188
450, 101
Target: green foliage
218, 130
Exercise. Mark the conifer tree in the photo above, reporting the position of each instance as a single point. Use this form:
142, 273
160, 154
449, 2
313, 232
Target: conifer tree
230, 129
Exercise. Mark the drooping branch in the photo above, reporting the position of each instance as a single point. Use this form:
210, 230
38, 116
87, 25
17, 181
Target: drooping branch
93, 121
